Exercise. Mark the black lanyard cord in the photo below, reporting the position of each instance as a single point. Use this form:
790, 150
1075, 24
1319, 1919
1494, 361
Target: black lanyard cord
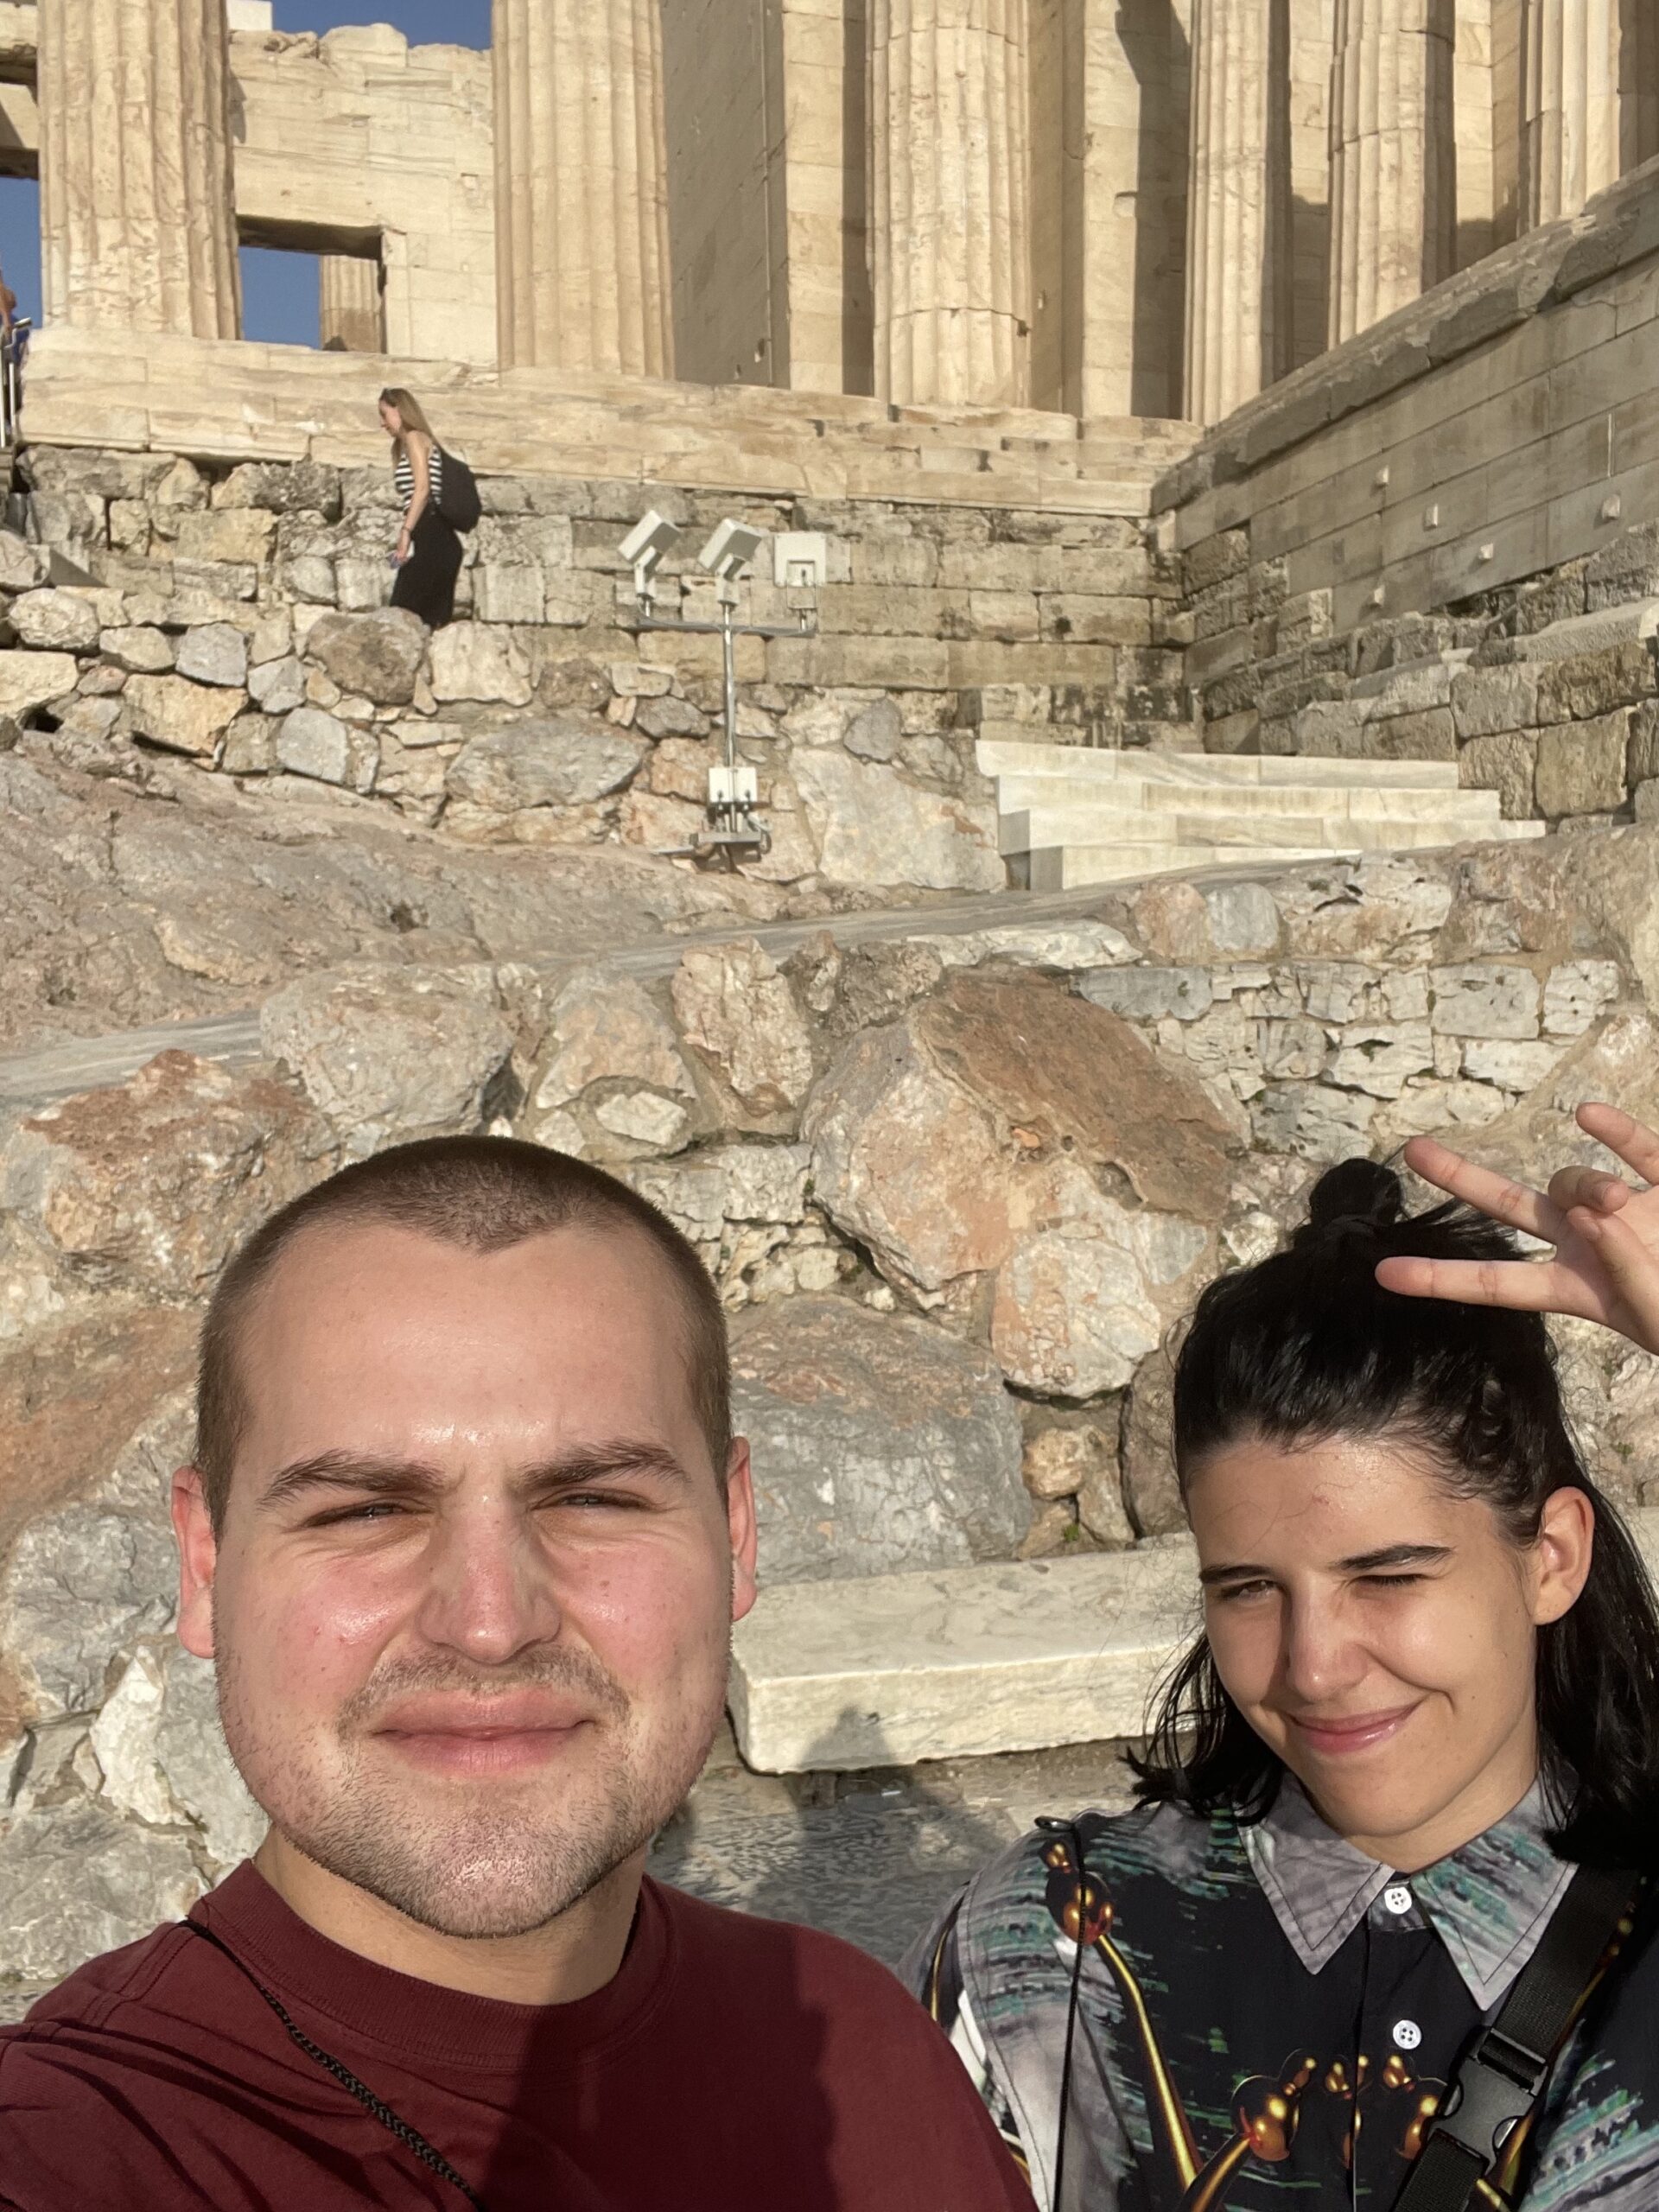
1069, 1829
410, 2138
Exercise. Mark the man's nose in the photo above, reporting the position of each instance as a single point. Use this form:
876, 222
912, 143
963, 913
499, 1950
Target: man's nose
488, 1592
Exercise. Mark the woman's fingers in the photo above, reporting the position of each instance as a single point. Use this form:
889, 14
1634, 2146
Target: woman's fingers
1636, 1145
1589, 1187
1524, 1286
1516, 1203
1631, 1269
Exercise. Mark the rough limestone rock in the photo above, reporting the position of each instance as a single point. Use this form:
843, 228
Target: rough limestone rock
1005, 1129
871, 827
79, 1881
376, 656
391, 1054
559, 760
80, 1584
184, 717
1150, 1490
474, 660
138, 648
92, 1407
155, 1180
55, 621
612, 1050
313, 742
740, 1016
277, 687
214, 653
31, 680
164, 1757
879, 1443
22, 565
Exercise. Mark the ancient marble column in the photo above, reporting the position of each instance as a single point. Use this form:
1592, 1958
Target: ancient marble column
1238, 295
350, 314
137, 213
1572, 117
1394, 174
581, 189
950, 201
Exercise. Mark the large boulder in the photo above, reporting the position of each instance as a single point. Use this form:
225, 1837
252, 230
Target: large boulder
741, 1018
55, 621
474, 660
79, 1881
376, 656
184, 717
93, 1413
614, 1079
391, 1053
872, 827
156, 1180
1008, 1148
552, 760
880, 1443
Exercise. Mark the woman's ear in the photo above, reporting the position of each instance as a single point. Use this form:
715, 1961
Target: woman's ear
1562, 1556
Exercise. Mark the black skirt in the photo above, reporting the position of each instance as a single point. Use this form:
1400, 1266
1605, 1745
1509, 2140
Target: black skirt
426, 582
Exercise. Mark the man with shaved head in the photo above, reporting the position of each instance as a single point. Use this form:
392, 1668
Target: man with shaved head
465, 1535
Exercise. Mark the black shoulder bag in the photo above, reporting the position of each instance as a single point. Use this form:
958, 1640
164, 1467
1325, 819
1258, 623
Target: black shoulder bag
1502, 2077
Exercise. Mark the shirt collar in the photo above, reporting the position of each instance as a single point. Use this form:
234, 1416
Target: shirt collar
1489, 1903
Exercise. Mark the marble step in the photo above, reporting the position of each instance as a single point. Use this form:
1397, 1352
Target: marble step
969, 1662
1075, 868
1008, 755
1030, 829
1360, 802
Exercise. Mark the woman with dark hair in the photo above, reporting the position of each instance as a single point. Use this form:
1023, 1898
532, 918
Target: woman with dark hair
428, 555
1351, 1948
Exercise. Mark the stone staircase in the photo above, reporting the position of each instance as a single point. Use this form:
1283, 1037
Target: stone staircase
1076, 815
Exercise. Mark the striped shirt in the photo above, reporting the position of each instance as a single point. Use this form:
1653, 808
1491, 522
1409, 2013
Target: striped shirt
403, 474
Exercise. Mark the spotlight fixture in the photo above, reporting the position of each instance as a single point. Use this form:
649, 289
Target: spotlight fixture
730, 551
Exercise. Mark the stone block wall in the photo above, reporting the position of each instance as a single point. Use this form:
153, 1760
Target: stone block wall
1543, 690
1494, 429
928, 1218
236, 617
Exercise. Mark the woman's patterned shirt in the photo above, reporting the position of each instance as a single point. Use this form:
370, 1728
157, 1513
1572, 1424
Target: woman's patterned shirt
1268, 2016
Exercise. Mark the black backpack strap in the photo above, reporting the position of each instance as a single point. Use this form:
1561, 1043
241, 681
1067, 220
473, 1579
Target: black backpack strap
1501, 2079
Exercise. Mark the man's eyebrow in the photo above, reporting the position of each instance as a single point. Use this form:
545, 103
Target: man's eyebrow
353, 1471
593, 1463
1392, 1556
363, 1474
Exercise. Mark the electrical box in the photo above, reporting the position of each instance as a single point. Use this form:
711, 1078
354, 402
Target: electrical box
738, 786
800, 560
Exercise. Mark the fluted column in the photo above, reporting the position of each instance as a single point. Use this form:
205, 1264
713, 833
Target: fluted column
582, 187
950, 205
1237, 276
1394, 172
350, 314
138, 212
1572, 121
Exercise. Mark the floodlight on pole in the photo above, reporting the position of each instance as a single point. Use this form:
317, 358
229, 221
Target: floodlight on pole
646, 546
735, 824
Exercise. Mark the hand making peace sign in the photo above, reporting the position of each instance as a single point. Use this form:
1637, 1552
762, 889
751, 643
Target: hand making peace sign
1606, 1235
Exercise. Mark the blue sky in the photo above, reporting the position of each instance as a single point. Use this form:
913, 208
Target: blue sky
280, 289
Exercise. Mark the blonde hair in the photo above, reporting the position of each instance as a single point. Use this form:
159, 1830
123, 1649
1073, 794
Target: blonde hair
410, 413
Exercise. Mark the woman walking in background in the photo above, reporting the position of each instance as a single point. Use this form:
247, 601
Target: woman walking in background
428, 558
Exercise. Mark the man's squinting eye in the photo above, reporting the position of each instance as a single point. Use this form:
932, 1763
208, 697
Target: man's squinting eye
1392, 1582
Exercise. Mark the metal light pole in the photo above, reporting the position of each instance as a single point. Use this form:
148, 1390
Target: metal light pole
735, 826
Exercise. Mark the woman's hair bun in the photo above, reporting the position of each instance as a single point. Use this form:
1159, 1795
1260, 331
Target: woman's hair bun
1358, 1194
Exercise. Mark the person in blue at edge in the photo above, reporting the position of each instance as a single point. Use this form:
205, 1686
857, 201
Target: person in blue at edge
1426, 1692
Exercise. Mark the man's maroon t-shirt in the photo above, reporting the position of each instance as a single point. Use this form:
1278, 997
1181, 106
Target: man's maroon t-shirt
733, 2063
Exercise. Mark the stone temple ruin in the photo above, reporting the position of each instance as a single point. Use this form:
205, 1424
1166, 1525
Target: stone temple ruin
1225, 736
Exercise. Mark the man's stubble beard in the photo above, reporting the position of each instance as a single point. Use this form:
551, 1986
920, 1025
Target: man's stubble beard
491, 1859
